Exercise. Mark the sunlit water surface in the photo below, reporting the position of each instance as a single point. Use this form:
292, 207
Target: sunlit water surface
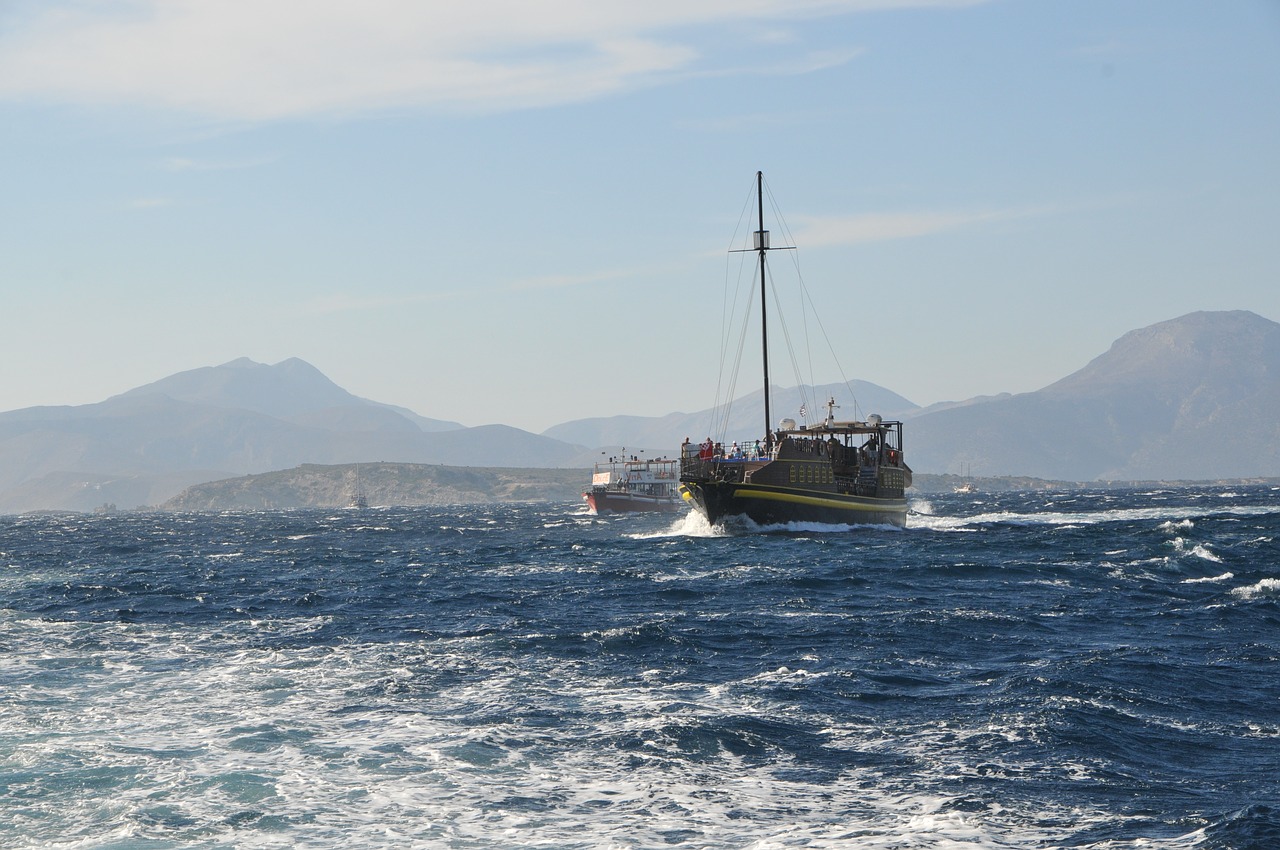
1075, 669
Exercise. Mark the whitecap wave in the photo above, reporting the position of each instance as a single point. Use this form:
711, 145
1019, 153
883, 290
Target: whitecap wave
1198, 550
686, 524
1266, 587
1202, 551
1171, 518
1177, 525
314, 747
1209, 579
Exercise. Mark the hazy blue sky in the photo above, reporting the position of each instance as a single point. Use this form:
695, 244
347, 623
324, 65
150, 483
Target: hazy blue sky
518, 212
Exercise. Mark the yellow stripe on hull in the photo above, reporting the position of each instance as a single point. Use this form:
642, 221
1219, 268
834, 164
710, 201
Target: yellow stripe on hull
768, 505
749, 492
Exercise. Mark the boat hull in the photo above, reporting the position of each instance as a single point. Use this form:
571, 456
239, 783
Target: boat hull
767, 504
606, 502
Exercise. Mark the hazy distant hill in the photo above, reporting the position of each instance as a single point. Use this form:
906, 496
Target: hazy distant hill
746, 417
1196, 397
146, 445
317, 486
292, 390
1193, 398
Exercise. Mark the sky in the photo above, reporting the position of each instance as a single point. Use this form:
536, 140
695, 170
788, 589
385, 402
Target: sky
521, 213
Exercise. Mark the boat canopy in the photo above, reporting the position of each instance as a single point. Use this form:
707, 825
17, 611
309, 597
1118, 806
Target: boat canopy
875, 426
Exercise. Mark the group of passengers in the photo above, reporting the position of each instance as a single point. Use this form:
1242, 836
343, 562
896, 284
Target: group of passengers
869, 454
709, 450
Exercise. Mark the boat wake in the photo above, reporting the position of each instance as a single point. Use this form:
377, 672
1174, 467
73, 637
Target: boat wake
689, 524
694, 524
1163, 514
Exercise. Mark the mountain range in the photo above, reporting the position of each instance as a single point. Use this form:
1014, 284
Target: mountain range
1193, 398
1197, 397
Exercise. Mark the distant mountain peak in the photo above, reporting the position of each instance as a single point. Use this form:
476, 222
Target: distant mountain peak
1196, 397
286, 389
292, 389
289, 364
1197, 348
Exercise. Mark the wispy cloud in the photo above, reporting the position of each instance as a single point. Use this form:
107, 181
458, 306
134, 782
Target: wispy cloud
745, 122
815, 231
816, 61
342, 302
249, 60
177, 163
345, 302
560, 281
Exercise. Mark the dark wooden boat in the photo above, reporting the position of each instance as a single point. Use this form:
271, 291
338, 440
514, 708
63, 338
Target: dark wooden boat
850, 472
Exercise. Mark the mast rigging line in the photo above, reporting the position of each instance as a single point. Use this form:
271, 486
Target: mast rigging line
725, 395
807, 306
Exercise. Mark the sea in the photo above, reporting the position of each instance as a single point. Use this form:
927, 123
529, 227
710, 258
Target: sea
1074, 669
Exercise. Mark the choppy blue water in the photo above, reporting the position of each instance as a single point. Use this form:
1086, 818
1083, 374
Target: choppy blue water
1085, 669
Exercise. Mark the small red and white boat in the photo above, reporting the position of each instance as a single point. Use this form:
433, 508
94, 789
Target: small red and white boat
624, 485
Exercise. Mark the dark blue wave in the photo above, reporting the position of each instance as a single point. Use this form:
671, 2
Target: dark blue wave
1012, 655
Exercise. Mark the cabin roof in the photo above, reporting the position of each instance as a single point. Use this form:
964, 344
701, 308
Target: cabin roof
852, 427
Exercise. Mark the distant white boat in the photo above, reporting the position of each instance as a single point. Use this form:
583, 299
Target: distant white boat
625, 486
965, 486
358, 498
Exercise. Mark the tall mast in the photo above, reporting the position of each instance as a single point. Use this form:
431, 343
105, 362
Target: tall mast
762, 245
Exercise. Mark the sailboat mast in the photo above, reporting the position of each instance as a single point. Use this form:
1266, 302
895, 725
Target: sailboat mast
762, 245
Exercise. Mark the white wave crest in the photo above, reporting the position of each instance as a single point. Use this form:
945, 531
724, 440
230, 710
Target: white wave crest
1202, 551
688, 524
1266, 587
1175, 526
1209, 579
1199, 550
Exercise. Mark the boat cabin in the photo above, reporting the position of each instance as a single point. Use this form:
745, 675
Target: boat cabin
861, 458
